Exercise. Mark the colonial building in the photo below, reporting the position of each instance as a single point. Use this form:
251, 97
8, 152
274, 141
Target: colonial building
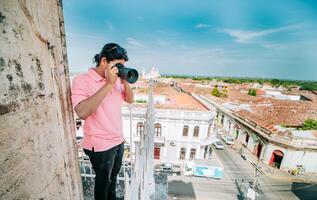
179, 134
285, 151
183, 127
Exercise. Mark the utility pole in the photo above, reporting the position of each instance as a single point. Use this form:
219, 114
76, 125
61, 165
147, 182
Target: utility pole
256, 175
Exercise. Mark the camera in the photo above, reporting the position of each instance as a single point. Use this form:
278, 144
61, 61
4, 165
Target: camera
129, 74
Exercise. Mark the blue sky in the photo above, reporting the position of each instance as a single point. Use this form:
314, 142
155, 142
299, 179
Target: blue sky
242, 38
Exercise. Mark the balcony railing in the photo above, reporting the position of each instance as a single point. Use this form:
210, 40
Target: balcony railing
171, 114
157, 139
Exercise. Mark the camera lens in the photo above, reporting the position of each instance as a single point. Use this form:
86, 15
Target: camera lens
129, 74
132, 76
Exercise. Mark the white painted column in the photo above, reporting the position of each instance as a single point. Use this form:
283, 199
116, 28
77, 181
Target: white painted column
165, 151
197, 156
188, 148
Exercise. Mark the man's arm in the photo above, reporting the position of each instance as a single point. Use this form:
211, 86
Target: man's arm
128, 93
88, 106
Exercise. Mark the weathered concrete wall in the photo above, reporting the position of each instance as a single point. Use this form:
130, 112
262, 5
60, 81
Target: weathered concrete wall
38, 158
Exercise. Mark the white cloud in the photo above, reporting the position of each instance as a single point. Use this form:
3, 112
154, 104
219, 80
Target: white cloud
273, 46
109, 25
202, 25
242, 36
185, 47
161, 42
133, 42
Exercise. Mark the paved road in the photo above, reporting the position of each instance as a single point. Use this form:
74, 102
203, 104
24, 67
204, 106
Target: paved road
195, 188
239, 169
235, 171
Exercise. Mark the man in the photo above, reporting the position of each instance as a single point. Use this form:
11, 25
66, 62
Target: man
97, 98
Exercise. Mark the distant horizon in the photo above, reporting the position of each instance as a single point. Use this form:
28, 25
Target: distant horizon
237, 77
216, 76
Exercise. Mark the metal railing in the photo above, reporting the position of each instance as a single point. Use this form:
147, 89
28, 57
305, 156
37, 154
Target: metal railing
87, 171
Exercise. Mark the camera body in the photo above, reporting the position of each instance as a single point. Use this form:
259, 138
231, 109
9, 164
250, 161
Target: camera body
129, 74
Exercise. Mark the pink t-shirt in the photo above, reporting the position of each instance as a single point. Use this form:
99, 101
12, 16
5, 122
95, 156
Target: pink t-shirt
103, 128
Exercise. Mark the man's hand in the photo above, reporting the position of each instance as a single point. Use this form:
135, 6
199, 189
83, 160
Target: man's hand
124, 82
111, 75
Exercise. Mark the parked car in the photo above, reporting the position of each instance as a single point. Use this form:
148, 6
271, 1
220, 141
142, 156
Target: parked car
168, 169
218, 145
227, 139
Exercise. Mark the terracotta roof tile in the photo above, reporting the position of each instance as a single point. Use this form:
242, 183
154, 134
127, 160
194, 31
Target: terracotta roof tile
174, 99
267, 112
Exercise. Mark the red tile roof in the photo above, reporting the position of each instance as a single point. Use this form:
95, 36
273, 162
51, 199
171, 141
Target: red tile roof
174, 99
267, 112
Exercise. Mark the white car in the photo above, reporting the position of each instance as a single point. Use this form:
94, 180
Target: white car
228, 140
218, 145
220, 132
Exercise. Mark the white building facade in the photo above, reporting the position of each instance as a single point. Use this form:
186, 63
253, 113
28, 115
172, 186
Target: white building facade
180, 135
283, 152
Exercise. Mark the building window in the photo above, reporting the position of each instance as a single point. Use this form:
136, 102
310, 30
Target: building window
185, 130
157, 153
182, 153
192, 154
247, 138
158, 130
196, 131
139, 128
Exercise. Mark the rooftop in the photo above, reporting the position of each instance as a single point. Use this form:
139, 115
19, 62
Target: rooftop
166, 97
263, 109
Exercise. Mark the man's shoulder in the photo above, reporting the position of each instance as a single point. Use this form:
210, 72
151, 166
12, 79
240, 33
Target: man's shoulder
81, 77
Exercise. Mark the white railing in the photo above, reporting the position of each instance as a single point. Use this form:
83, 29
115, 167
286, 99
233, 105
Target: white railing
296, 142
172, 114
304, 142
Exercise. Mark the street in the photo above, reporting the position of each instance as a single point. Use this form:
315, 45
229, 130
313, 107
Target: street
239, 169
237, 174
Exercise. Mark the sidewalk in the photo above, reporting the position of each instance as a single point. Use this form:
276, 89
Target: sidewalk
273, 172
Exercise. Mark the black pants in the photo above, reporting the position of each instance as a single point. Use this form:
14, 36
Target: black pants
106, 165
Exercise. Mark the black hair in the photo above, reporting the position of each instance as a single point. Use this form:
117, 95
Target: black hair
111, 51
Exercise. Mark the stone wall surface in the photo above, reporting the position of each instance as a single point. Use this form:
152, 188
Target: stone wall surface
38, 158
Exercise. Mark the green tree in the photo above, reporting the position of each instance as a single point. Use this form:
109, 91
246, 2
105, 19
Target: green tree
140, 101
310, 124
215, 91
252, 92
224, 92
309, 86
275, 82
